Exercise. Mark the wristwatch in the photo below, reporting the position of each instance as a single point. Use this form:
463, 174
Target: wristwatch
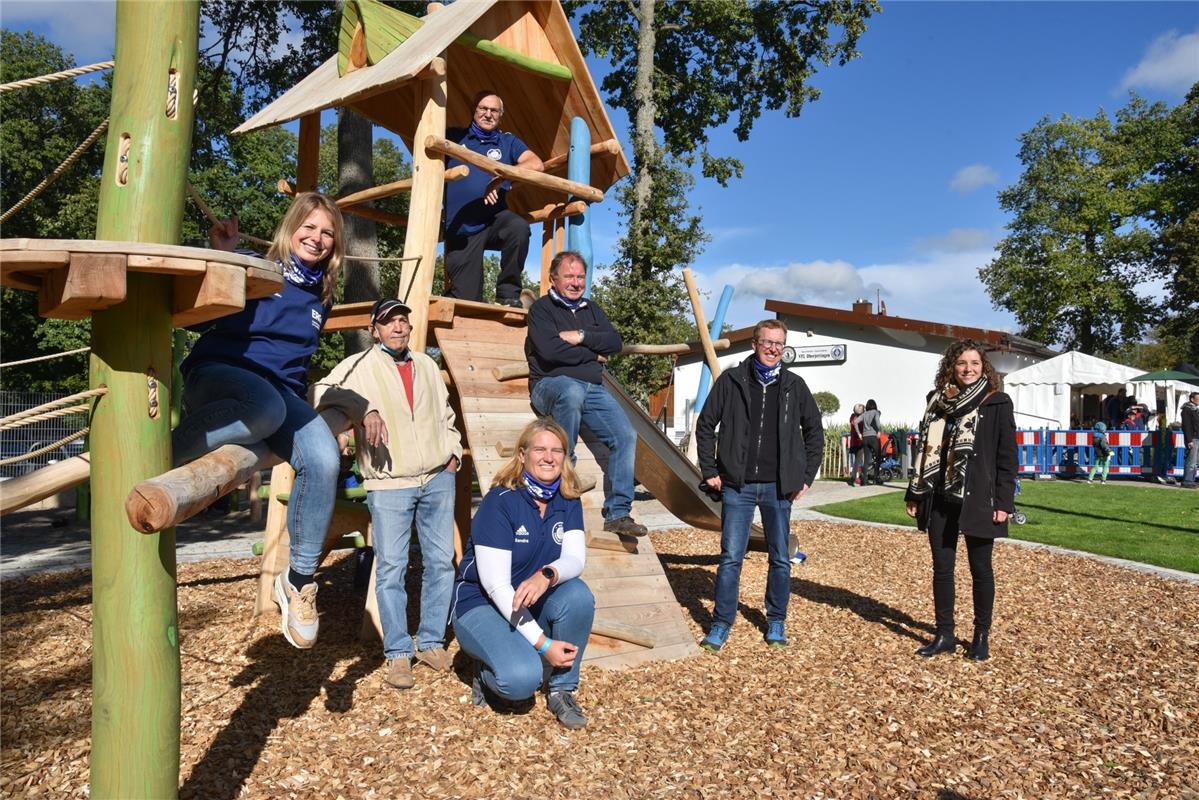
548, 573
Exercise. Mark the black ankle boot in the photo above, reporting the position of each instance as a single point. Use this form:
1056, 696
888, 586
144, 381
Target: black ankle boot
941, 643
980, 649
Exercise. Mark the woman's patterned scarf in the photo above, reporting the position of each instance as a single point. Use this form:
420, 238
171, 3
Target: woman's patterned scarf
298, 273
949, 424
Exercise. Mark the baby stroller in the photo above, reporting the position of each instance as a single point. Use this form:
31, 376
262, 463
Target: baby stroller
1018, 516
889, 469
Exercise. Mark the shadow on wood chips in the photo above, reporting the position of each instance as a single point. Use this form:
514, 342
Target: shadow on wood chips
1090, 691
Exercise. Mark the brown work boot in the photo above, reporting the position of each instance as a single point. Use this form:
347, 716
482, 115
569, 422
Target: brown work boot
435, 657
399, 672
625, 525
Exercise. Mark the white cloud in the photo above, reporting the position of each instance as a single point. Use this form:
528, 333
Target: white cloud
941, 286
956, 240
1171, 62
85, 31
973, 177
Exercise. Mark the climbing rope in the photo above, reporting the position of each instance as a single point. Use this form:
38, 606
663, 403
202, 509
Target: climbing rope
45, 358
53, 176
60, 412
79, 434
55, 76
7, 422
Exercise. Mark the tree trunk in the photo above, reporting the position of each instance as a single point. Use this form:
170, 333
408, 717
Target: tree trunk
645, 148
355, 172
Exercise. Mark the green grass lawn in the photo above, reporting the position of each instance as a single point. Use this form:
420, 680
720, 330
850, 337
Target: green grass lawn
1149, 524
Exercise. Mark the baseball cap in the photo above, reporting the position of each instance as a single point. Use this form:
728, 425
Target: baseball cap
383, 309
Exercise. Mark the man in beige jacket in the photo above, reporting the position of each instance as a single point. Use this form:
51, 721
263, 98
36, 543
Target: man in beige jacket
408, 451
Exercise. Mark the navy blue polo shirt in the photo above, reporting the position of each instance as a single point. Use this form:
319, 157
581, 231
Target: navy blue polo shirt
465, 211
508, 519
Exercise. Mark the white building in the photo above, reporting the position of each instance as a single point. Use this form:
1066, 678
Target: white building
859, 355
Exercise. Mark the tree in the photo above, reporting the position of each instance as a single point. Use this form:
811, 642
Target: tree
685, 68
827, 402
39, 127
1086, 237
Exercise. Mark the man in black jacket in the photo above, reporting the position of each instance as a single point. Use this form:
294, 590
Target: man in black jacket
569, 341
771, 441
1190, 439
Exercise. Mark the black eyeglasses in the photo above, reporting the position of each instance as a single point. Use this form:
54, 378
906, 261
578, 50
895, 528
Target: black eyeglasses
766, 344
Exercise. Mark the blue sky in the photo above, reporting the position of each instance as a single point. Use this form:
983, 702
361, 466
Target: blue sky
888, 183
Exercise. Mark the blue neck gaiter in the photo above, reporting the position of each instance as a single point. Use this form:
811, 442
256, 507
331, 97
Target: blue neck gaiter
541, 491
486, 137
767, 375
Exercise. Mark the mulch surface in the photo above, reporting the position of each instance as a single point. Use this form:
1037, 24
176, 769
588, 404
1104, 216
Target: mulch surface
1091, 692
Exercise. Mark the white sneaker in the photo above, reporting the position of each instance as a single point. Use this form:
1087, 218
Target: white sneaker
297, 612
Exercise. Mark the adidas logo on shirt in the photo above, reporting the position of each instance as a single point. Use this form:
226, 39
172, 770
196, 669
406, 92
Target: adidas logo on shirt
522, 535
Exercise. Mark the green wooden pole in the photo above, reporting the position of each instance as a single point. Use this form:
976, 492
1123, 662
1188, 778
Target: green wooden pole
135, 653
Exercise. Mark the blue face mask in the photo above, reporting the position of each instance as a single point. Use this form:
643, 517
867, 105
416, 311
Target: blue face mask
541, 491
398, 355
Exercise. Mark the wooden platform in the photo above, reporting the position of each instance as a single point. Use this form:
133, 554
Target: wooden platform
630, 587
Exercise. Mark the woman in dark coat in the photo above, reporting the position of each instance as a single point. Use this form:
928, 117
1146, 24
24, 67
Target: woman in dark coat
964, 482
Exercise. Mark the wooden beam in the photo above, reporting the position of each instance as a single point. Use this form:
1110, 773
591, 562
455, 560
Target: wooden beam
441, 146
634, 634
557, 211
308, 157
559, 162
704, 337
520, 369
220, 290
16, 493
367, 212
92, 282
395, 187
174, 496
547, 252
424, 208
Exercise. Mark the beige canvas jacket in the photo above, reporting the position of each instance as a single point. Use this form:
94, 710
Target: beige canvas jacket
421, 440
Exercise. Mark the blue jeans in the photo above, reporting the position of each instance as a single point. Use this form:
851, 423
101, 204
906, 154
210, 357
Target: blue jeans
511, 667
736, 516
570, 402
231, 405
392, 515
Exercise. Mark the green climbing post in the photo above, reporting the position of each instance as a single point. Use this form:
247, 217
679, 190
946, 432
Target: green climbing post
135, 655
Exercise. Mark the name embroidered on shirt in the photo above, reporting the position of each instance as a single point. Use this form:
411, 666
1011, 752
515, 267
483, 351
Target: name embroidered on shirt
522, 535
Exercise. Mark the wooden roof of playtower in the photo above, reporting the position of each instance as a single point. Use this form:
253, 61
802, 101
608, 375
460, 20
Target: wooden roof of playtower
522, 49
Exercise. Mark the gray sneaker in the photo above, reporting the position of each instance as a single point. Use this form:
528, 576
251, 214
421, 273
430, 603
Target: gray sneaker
297, 611
625, 525
399, 672
564, 706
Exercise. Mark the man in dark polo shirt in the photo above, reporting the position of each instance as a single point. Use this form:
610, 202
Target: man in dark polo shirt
477, 217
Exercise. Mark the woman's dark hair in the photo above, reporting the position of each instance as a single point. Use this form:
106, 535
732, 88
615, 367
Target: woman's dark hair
954, 352
871, 405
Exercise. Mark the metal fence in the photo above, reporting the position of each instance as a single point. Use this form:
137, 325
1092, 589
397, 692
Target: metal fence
16, 442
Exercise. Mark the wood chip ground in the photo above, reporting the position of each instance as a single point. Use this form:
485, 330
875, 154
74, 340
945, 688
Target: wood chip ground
1092, 691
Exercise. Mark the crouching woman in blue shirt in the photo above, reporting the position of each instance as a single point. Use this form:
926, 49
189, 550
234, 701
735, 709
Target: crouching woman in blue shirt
518, 600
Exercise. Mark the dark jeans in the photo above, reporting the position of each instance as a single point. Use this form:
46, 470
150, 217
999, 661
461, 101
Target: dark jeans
509, 234
736, 516
871, 450
943, 541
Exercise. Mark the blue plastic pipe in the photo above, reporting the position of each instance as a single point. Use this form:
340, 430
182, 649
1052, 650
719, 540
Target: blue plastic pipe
705, 375
578, 169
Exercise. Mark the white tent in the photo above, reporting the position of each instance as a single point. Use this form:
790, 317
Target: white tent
1169, 393
1044, 394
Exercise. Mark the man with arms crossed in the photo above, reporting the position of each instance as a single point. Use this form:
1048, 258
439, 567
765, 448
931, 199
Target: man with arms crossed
569, 341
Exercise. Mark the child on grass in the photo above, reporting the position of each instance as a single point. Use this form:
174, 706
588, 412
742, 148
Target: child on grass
1102, 453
